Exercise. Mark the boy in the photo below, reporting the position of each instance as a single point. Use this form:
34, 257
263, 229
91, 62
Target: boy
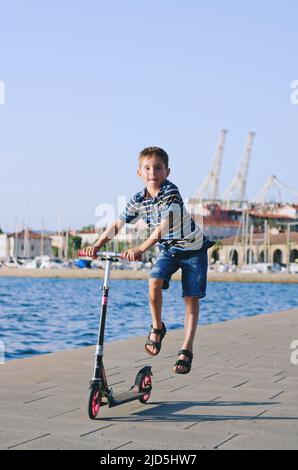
181, 243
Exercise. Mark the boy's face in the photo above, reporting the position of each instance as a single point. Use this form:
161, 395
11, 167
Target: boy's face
153, 172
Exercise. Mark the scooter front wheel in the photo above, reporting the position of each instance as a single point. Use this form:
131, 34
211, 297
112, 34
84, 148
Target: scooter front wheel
146, 385
94, 401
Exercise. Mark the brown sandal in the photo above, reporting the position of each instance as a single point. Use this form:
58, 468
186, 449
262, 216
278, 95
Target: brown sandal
155, 344
181, 362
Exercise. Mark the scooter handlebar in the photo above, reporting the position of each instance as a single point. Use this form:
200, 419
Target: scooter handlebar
103, 255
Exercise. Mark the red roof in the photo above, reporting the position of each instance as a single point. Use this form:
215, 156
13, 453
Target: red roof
221, 222
271, 215
31, 235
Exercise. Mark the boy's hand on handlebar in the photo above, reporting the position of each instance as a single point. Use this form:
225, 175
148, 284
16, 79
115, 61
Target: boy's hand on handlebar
133, 254
91, 251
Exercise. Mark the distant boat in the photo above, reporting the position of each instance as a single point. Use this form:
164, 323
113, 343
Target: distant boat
12, 262
82, 263
44, 262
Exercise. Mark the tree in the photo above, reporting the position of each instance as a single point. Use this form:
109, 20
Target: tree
74, 244
55, 251
88, 228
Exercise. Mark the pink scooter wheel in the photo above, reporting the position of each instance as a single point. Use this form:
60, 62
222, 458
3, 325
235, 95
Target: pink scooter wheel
94, 402
146, 384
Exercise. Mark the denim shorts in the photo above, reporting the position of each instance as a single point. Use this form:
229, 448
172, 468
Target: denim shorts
194, 270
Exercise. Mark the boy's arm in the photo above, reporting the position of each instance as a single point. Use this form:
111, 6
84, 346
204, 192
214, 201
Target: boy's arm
157, 234
110, 232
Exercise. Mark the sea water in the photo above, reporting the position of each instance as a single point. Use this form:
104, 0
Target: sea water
44, 315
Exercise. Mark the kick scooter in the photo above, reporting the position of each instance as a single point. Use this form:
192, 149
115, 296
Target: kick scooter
99, 389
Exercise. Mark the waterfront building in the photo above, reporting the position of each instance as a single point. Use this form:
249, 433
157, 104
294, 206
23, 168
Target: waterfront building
28, 244
268, 247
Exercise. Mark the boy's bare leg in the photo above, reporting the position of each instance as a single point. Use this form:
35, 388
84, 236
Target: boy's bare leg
190, 326
155, 302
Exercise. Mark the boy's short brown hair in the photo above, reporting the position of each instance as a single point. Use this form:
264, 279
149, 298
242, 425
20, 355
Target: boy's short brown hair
159, 152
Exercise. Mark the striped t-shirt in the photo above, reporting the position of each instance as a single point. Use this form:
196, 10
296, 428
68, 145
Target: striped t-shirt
183, 233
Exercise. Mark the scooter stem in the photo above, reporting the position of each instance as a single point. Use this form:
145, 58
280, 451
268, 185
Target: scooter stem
107, 274
98, 365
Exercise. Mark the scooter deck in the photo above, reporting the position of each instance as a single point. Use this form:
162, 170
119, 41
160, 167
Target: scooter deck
125, 397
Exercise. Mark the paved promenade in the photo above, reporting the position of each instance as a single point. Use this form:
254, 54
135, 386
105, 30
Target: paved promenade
241, 393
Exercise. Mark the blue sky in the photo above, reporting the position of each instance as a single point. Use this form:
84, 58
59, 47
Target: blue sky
89, 83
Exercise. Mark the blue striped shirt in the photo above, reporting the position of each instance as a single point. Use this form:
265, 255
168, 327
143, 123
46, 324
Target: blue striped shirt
182, 232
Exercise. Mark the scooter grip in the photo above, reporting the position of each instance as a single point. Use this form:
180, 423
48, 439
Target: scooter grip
81, 253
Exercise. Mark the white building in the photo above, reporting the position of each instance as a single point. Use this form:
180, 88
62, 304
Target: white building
28, 244
88, 238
